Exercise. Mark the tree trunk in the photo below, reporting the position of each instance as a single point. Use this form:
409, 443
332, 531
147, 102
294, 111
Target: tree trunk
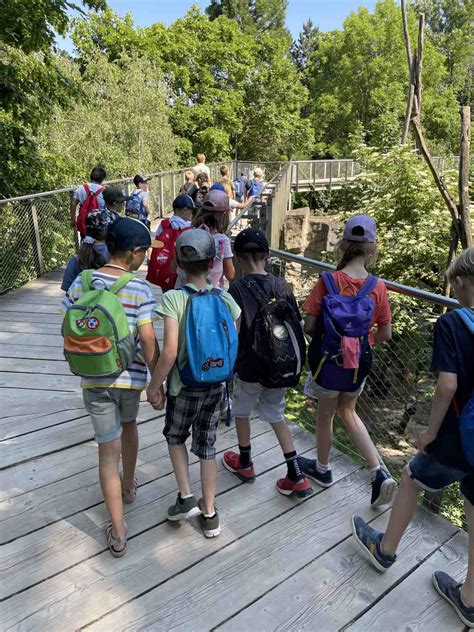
464, 164
405, 32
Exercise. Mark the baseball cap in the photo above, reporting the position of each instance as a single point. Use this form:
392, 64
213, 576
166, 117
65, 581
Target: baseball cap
128, 233
360, 228
99, 220
139, 179
217, 187
251, 240
195, 244
113, 195
183, 201
216, 201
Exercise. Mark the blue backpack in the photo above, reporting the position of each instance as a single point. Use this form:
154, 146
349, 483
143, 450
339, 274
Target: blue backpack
466, 420
239, 188
255, 188
344, 324
211, 339
135, 208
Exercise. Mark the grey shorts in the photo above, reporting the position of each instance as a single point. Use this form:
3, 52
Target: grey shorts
109, 408
314, 391
269, 403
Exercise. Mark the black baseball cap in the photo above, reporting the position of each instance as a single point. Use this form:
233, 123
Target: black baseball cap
113, 195
139, 179
251, 240
128, 233
183, 201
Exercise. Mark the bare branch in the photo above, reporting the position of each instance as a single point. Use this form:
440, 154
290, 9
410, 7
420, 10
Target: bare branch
409, 106
419, 57
464, 164
406, 33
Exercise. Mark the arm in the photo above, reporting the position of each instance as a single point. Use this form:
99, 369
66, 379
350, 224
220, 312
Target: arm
165, 363
383, 334
444, 393
149, 344
72, 210
309, 324
228, 268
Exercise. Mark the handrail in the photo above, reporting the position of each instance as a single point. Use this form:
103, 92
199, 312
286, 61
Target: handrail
399, 288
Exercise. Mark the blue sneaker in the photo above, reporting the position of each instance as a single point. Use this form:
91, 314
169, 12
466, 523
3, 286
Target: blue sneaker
369, 540
384, 489
308, 467
448, 588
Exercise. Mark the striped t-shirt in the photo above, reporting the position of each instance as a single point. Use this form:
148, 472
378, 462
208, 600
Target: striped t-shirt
140, 308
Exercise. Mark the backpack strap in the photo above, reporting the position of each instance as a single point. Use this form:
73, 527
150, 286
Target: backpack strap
86, 189
330, 283
467, 317
189, 290
121, 282
86, 280
369, 286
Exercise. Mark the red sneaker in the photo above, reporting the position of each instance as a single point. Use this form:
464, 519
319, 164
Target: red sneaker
299, 488
231, 462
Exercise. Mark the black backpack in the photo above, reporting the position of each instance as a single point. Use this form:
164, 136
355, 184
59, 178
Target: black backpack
278, 342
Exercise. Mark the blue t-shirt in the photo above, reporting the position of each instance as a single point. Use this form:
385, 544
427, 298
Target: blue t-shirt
73, 270
453, 352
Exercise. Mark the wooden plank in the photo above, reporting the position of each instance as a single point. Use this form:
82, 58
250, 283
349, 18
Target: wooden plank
36, 366
24, 424
8, 305
423, 609
14, 402
31, 559
20, 317
64, 383
46, 340
89, 589
29, 327
34, 297
29, 351
337, 587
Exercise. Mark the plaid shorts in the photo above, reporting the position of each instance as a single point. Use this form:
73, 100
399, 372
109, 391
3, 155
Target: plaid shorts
196, 408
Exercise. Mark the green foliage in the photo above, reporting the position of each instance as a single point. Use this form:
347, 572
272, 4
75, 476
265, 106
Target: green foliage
255, 16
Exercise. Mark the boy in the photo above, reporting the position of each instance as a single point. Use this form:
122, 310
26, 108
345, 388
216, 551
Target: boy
115, 200
187, 407
200, 189
440, 460
141, 195
183, 207
188, 186
256, 285
113, 402
95, 186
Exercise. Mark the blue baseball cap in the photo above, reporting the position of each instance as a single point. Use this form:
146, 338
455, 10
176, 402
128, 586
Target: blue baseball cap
360, 228
183, 201
128, 233
217, 187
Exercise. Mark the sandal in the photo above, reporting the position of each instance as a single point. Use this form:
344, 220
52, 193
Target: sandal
129, 495
116, 542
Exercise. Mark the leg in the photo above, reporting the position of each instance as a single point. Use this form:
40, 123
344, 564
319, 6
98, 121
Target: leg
324, 424
129, 453
356, 429
179, 459
403, 510
109, 456
467, 590
245, 397
284, 437
242, 426
208, 485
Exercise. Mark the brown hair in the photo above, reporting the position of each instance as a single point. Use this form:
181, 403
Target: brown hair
462, 266
201, 158
346, 251
214, 220
195, 267
254, 257
224, 170
89, 258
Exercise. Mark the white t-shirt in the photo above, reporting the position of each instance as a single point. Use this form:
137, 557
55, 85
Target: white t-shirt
143, 195
81, 194
201, 167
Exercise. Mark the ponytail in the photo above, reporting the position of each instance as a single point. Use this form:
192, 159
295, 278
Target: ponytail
89, 258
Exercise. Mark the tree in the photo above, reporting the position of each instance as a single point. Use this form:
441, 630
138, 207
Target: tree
255, 16
307, 44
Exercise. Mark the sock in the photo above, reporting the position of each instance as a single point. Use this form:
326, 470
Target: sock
322, 469
294, 472
187, 496
244, 455
374, 470
209, 516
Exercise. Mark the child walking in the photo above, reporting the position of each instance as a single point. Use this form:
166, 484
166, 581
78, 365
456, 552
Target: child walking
188, 408
113, 402
443, 457
251, 387
339, 372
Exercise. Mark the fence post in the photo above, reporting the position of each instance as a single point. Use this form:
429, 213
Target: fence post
330, 173
162, 198
174, 186
297, 177
37, 240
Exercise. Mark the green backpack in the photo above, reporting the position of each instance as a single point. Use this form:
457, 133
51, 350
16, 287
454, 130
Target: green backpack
97, 339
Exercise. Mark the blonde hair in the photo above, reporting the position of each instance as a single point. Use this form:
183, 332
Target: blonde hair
201, 158
258, 173
224, 170
462, 266
346, 251
189, 175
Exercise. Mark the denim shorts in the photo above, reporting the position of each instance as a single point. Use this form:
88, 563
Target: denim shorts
109, 408
268, 402
315, 391
433, 476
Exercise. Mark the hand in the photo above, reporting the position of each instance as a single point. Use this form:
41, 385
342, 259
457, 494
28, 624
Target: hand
426, 437
156, 398
73, 223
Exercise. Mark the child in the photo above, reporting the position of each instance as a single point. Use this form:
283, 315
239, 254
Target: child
256, 285
88, 195
200, 190
115, 200
93, 253
113, 402
356, 249
188, 186
162, 265
188, 407
441, 459
138, 206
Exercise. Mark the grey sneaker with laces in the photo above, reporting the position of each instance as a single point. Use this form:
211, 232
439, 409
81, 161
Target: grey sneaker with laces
210, 525
183, 509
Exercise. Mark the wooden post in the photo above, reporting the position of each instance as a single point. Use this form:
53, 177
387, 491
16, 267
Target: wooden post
297, 177
409, 106
162, 198
330, 175
419, 63
39, 263
406, 33
464, 164
174, 186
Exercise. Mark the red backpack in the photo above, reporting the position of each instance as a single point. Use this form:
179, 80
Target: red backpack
162, 255
91, 203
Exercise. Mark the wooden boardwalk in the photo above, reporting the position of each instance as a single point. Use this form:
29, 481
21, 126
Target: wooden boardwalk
278, 564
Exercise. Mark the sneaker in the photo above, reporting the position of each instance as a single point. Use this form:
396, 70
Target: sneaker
369, 540
384, 489
183, 509
287, 487
448, 588
308, 467
231, 461
210, 525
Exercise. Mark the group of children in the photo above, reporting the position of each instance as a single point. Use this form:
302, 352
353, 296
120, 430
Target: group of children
194, 410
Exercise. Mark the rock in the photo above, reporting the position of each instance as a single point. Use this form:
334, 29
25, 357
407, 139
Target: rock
321, 237
296, 230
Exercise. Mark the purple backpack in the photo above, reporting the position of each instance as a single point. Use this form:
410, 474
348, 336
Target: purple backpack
339, 355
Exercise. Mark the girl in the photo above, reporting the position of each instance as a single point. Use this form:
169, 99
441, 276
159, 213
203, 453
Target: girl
93, 253
356, 249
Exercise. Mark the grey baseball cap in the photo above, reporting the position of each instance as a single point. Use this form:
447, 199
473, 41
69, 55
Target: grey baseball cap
195, 244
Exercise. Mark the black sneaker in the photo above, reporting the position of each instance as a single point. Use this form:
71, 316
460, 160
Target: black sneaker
369, 540
448, 588
384, 489
211, 527
308, 467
